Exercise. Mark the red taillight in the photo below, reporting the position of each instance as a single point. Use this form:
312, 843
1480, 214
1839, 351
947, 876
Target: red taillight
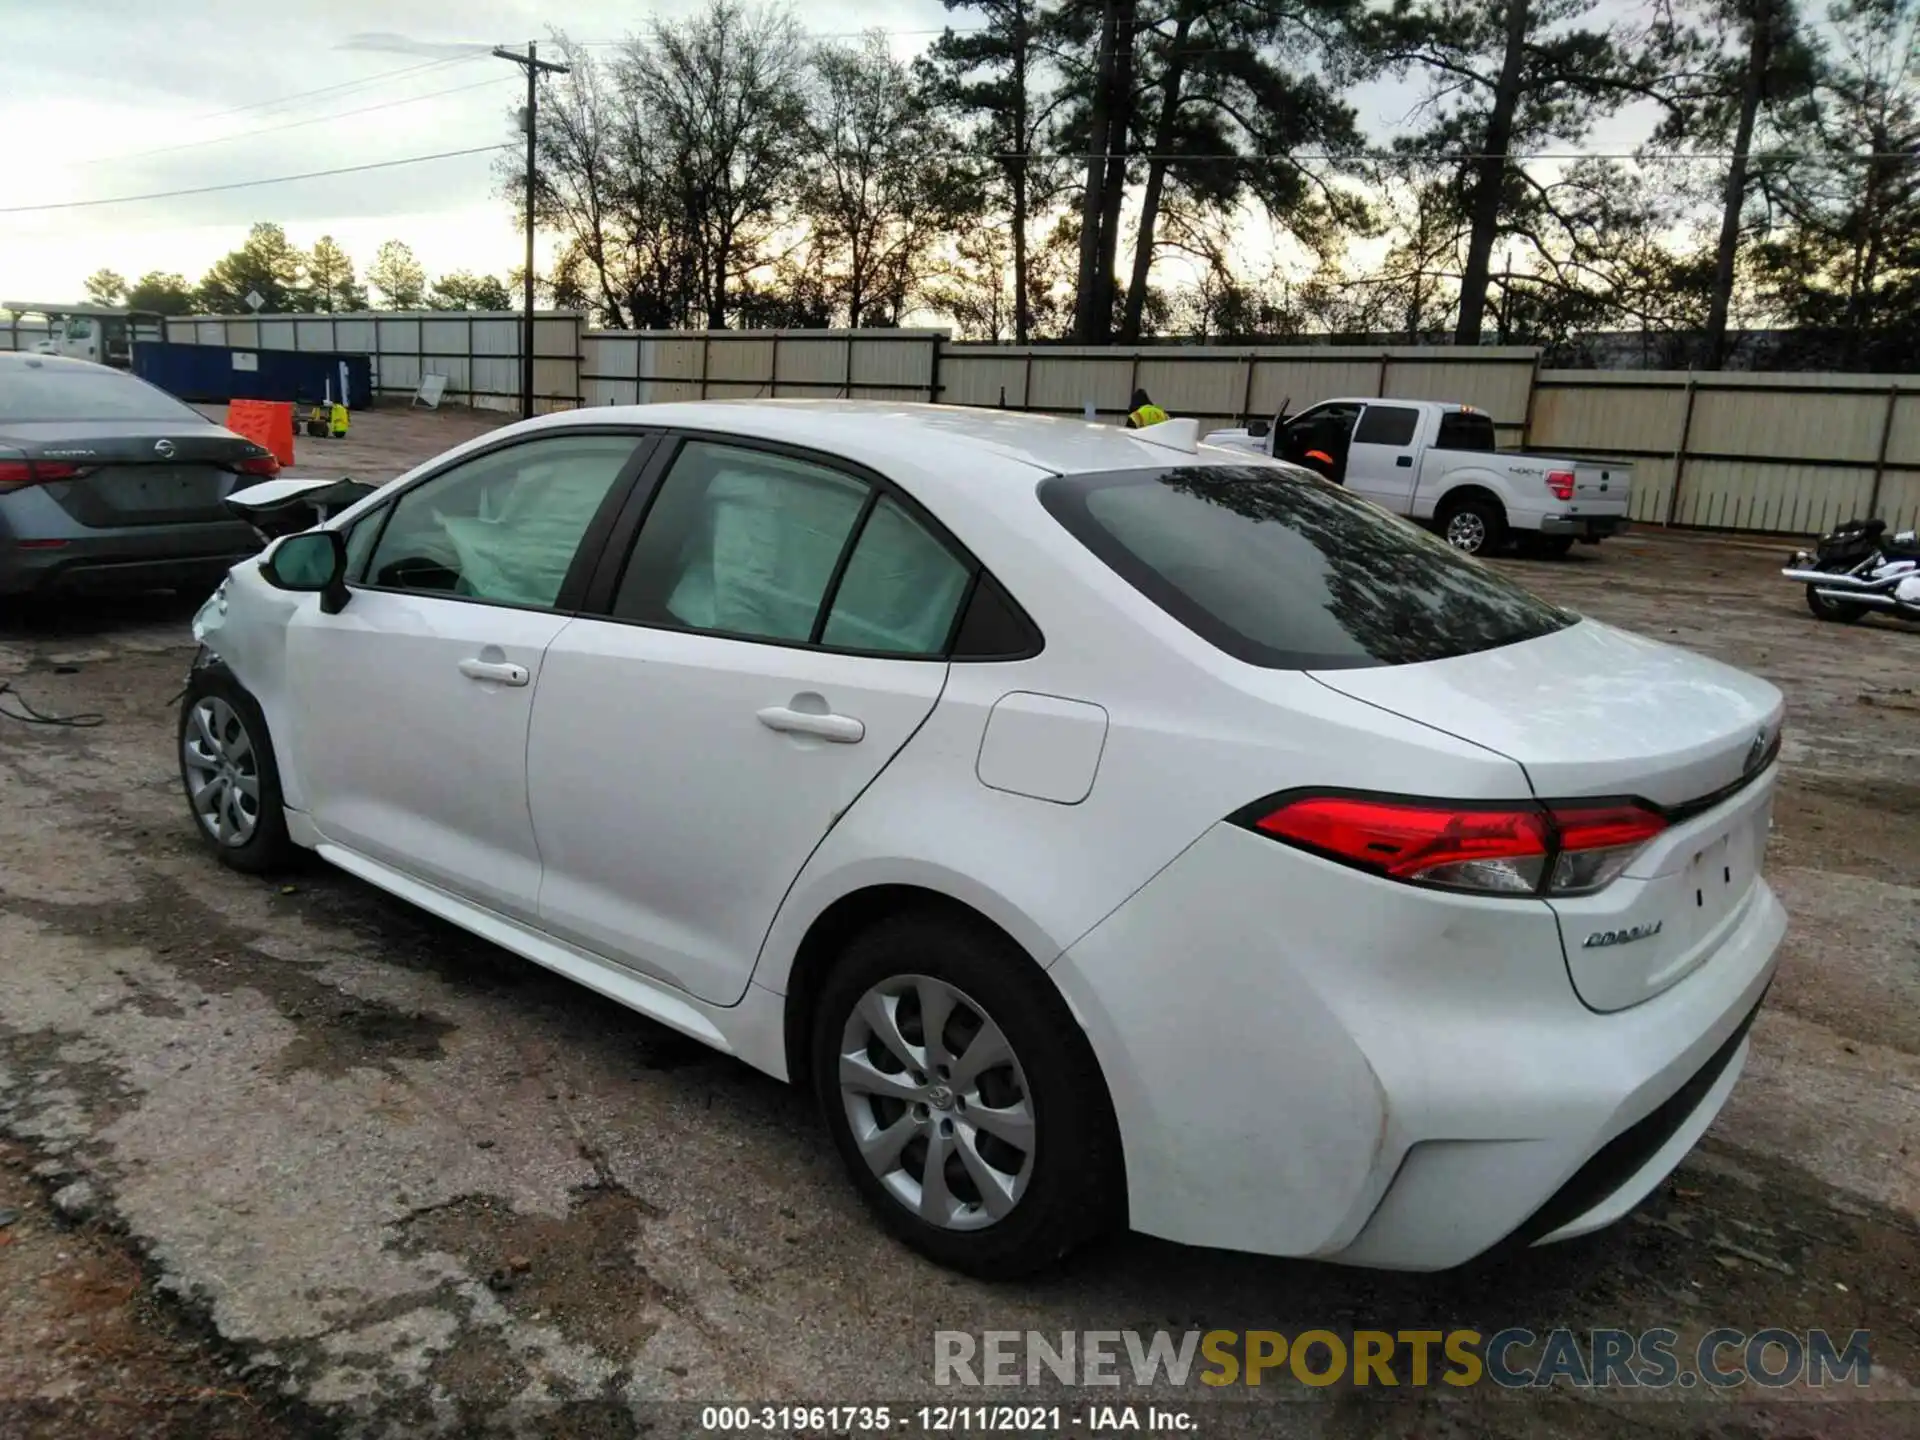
1495, 850
1596, 843
1560, 482
17, 473
257, 465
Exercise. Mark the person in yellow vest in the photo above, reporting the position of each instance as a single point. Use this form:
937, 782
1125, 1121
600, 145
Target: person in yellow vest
1145, 412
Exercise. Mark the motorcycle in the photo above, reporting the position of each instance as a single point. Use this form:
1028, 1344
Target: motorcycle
1857, 568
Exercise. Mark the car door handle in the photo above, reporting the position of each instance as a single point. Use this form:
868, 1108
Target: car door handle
497, 671
1405, 462
842, 729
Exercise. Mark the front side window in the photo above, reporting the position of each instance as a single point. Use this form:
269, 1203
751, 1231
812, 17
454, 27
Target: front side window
360, 538
1283, 570
1323, 420
742, 542
502, 527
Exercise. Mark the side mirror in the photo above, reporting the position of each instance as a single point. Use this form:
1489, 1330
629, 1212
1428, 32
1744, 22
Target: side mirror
312, 562
1259, 429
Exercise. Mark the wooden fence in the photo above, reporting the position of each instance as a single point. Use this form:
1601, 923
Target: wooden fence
1782, 453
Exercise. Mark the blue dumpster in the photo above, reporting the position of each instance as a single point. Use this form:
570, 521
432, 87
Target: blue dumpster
218, 373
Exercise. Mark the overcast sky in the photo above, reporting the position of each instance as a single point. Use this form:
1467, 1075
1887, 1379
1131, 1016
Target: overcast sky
122, 97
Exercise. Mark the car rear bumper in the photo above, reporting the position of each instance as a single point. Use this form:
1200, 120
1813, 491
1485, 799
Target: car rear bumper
1584, 527
41, 554
1305, 1060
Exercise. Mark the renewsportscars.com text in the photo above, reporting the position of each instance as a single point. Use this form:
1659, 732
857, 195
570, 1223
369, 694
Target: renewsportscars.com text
1514, 1358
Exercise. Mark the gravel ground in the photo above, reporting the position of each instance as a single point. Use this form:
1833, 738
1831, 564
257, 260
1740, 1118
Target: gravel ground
346, 1170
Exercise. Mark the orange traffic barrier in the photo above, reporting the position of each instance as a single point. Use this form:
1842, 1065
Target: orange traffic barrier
265, 422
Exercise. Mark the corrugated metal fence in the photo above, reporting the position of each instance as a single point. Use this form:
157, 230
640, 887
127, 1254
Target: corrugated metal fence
1789, 453
477, 350
1784, 453
629, 367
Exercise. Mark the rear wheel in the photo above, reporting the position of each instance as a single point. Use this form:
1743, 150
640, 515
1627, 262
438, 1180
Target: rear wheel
1474, 524
228, 771
963, 1097
1843, 612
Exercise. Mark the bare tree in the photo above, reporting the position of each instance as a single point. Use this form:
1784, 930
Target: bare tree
721, 102
884, 185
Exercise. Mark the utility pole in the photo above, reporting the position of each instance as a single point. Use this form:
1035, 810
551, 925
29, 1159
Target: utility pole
533, 65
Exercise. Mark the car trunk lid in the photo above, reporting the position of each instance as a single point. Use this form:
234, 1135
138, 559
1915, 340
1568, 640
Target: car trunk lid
138, 472
1591, 712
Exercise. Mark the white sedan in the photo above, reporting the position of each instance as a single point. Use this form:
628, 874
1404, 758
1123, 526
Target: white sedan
1110, 830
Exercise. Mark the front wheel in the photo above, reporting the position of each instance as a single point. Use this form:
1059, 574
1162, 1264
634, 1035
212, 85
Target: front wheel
1840, 612
1475, 525
964, 1098
228, 771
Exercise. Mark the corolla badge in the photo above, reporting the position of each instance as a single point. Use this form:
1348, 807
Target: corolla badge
164, 449
1600, 939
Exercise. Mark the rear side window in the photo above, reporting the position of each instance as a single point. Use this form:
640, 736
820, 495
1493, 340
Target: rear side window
900, 590
86, 392
1283, 570
1467, 430
742, 542
1387, 425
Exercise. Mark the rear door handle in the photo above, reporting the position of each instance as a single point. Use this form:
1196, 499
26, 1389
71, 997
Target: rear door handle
841, 729
497, 671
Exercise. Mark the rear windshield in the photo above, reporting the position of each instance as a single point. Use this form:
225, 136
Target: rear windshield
75, 392
1466, 430
1279, 568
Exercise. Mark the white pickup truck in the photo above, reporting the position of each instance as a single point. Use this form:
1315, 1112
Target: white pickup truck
1440, 464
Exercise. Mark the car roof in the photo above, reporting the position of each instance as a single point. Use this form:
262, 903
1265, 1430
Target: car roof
27, 359
890, 435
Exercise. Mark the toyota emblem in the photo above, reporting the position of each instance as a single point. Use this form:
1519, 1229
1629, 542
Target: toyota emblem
1756, 753
164, 449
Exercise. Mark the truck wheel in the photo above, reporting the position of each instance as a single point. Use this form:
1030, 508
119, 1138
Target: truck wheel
1474, 524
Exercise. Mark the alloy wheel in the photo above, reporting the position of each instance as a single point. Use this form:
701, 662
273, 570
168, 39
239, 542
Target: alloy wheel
937, 1102
1467, 531
223, 771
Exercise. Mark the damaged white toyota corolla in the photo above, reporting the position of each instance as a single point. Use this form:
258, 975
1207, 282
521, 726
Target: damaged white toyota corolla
1110, 830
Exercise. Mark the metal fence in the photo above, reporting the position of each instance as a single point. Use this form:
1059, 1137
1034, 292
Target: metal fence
1790, 453
477, 350
638, 367
18, 334
1220, 385
1784, 453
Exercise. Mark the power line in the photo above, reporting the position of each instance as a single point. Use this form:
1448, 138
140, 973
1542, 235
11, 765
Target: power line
292, 124
361, 83
250, 184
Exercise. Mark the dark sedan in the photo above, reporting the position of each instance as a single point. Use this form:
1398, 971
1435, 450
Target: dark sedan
107, 483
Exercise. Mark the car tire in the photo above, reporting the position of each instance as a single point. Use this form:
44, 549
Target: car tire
222, 743
1840, 612
1065, 1186
1473, 524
